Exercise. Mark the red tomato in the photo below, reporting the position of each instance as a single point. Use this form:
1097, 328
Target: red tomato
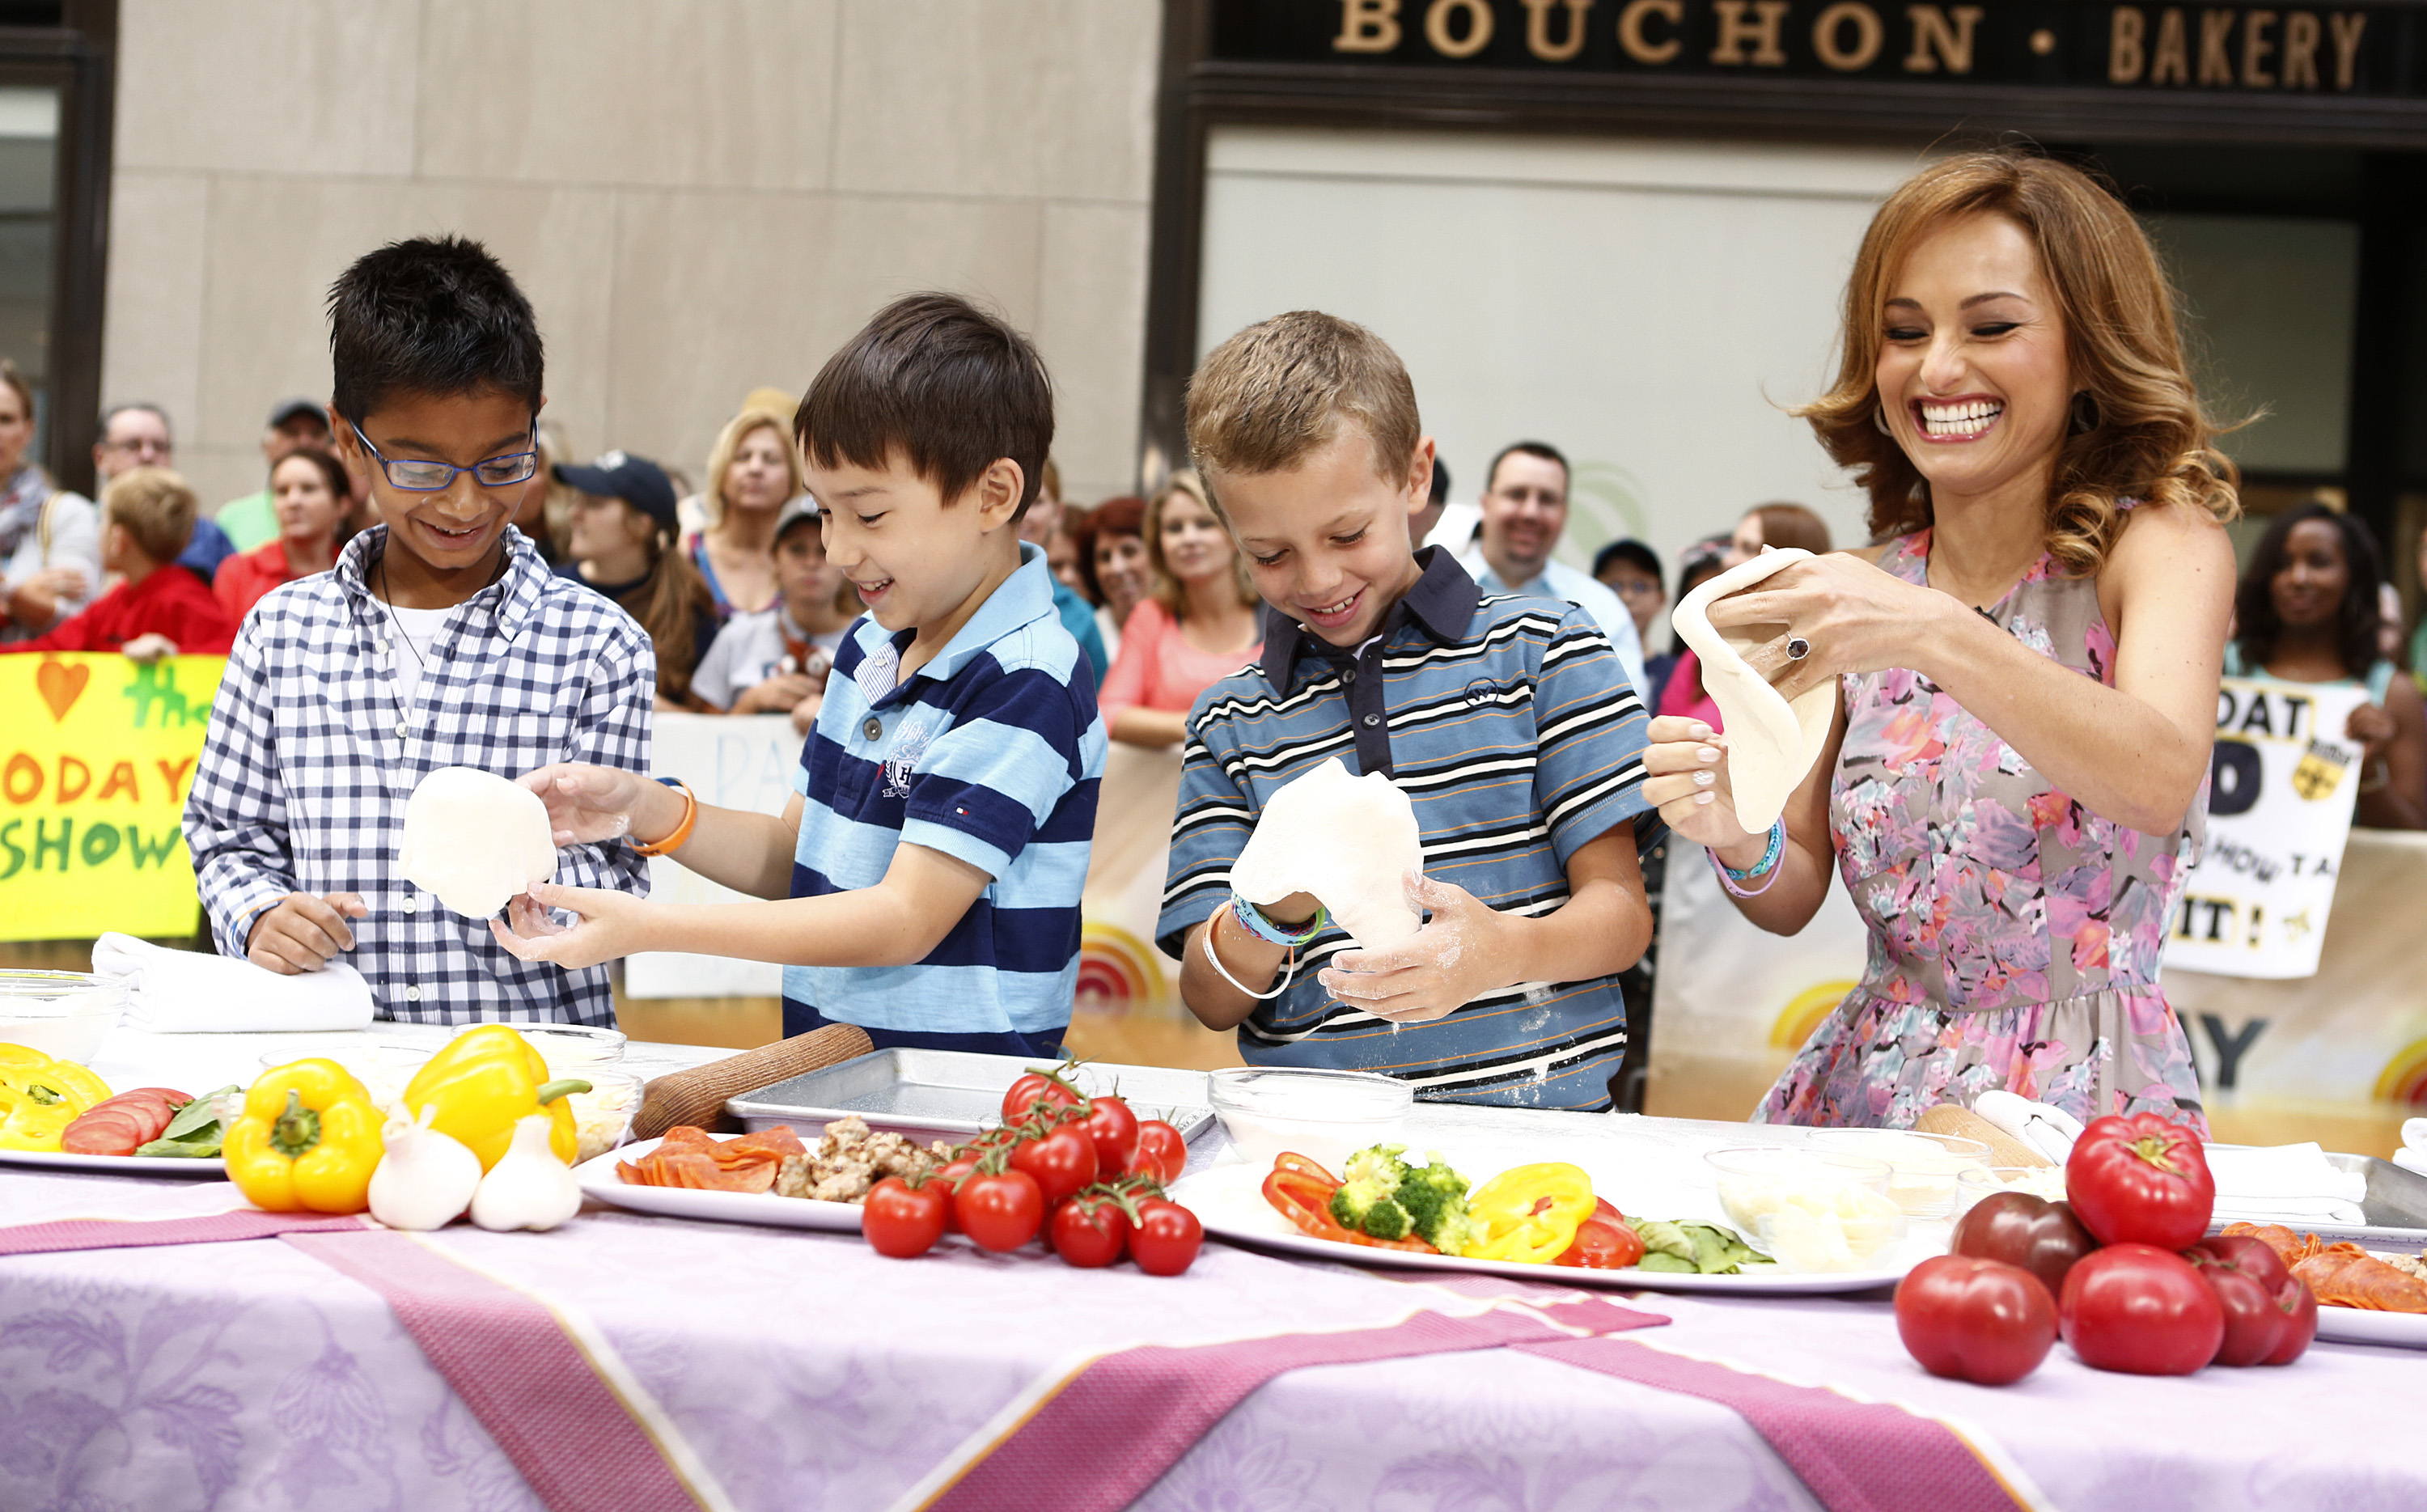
1114, 1130
949, 1177
1161, 1152
1089, 1231
2270, 1314
2140, 1310
2140, 1180
1036, 1086
2043, 1238
1974, 1320
904, 1221
1167, 1237
1602, 1242
1001, 1209
1060, 1163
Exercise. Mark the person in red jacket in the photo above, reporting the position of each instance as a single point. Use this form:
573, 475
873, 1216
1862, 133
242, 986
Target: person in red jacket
147, 516
314, 499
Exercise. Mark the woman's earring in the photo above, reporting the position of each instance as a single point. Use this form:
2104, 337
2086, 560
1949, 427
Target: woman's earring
2086, 417
1879, 418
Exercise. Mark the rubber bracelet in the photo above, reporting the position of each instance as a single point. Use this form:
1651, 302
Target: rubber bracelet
1730, 876
1224, 972
673, 840
1252, 919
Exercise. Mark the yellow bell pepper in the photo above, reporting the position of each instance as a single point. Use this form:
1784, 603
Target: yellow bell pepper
309, 1138
1529, 1214
483, 1083
41, 1096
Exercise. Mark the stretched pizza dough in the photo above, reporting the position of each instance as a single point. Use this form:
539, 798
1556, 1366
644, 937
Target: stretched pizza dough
475, 839
1772, 742
1348, 840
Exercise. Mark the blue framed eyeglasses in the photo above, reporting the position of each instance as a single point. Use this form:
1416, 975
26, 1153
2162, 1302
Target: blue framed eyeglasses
423, 477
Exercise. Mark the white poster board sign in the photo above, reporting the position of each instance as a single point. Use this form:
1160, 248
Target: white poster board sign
733, 762
2282, 783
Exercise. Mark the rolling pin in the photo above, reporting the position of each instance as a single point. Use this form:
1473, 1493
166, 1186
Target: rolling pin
2004, 1148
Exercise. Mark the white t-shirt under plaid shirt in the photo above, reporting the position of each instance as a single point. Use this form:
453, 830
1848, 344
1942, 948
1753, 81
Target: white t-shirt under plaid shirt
312, 754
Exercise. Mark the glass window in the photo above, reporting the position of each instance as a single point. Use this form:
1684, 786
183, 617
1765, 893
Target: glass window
29, 129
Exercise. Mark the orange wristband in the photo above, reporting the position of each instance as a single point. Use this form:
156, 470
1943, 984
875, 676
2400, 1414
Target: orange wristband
681, 832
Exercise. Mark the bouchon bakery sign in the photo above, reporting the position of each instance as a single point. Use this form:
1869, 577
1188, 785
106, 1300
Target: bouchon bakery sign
2286, 49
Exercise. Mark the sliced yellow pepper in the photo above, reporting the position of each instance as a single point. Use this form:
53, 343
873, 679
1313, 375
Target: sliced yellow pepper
1529, 1214
309, 1138
484, 1082
39, 1098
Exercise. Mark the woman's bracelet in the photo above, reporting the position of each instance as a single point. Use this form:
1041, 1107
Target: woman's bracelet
1213, 960
1730, 876
681, 832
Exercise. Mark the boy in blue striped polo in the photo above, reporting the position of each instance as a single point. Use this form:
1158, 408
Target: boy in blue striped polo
924, 880
1507, 721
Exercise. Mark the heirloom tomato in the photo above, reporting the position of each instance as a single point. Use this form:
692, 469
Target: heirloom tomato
2140, 1179
2270, 1314
2139, 1309
2043, 1238
1974, 1319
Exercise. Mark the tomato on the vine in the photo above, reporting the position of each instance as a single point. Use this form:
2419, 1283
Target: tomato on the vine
1167, 1237
1001, 1209
1974, 1319
1114, 1129
1034, 1087
1060, 1163
1162, 1153
905, 1221
1088, 1231
949, 1175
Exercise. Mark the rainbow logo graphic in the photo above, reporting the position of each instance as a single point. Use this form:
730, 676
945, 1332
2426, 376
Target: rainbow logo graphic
2404, 1079
1804, 1013
1117, 972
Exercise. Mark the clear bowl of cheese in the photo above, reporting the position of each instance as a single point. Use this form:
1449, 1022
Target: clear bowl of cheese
1810, 1210
1923, 1168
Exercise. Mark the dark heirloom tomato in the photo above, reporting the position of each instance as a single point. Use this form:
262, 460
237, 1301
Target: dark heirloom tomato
2140, 1179
2140, 1310
1974, 1320
2042, 1237
2270, 1314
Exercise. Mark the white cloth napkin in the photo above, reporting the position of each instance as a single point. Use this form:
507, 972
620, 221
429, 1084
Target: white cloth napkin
183, 992
2284, 1183
2412, 1156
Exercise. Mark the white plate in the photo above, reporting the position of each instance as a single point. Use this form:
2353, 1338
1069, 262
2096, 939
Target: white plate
599, 1179
1229, 1201
2358, 1325
208, 1165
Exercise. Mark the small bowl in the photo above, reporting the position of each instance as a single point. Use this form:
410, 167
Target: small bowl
1325, 1115
382, 1069
602, 1116
568, 1048
1756, 1180
64, 1015
2046, 1181
1924, 1166
1858, 1230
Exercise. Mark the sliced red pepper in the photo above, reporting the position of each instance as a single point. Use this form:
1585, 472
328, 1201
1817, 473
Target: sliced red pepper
1301, 1191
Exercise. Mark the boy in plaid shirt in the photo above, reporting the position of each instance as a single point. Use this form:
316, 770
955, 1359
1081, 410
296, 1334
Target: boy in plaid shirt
439, 640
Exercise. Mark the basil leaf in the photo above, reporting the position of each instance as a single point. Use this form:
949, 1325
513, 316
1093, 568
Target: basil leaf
201, 1146
196, 1113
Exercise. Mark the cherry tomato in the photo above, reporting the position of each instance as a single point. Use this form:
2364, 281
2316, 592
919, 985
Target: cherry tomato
2043, 1238
1603, 1242
949, 1177
1089, 1231
904, 1221
1114, 1128
1060, 1163
2141, 1180
1974, 1320
1161, 1152
1001, 1209
1167, 1237
2140, 1310
1036, 1086
2270, 1314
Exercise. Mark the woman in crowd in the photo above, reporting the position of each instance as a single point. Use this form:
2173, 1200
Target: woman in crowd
1787, 526
2025, 671
313, 498
50, 539
1113, 559
2307, 612
1197, 625
750, 473
621, 542
1681, 694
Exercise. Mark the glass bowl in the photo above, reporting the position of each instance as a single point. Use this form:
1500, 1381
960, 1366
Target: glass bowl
1849, 1229
2045, 1181
1923, 1167
1755, 1182
569, 1049
1325, 1115
602, 1116
64, 1015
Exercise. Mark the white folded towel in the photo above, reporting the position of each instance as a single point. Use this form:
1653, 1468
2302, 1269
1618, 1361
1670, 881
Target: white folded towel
184, 992
2412, 1157
2414, 1133
2284, 1183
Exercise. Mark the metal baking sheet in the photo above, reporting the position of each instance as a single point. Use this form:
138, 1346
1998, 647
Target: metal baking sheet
950, 1092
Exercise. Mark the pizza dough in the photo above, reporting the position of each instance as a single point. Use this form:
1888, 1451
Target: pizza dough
1771, 743
1348, 840
475, 839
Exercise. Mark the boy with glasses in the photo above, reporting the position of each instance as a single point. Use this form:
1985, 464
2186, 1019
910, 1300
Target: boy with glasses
440, 640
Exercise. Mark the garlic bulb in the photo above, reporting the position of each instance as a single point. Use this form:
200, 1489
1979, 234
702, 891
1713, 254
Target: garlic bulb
529, 1187
426, 1180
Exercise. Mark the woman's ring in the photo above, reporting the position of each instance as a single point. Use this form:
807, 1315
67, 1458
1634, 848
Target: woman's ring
1798, 648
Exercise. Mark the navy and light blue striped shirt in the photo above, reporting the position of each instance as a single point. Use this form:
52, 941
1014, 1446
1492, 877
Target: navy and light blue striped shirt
990, 753
1510, 724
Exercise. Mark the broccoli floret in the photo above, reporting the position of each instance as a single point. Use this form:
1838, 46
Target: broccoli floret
1368, 1201
1435, 1197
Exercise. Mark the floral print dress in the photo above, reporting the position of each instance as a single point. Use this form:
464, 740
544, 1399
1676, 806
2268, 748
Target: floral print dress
2015, 935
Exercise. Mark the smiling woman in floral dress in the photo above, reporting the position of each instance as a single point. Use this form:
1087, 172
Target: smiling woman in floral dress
2014, 786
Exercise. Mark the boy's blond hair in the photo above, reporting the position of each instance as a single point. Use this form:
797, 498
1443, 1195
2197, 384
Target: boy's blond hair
1275, 394
156, 506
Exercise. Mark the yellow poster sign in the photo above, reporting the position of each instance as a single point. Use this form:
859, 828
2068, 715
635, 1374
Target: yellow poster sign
96, 755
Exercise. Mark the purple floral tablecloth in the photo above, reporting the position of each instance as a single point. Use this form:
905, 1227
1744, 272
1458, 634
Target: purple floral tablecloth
806, 1372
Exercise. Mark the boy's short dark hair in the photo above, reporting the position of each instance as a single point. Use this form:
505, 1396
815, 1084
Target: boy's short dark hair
1630, 550
1440, 482
944, 384
435, 314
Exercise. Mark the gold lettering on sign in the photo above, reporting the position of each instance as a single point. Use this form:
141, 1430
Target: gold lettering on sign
1641, 48
2347, 27
2299, 51
2216, 30
1827, 34
1478, 27
1761, 31
1367, 26
2171, 63
1538, 29
1936, 39
2123, 56
2255, 48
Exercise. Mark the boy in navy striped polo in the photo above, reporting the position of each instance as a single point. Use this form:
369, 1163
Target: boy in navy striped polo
1507, 722
925, 877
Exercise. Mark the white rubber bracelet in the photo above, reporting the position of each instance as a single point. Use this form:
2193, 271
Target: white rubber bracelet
1216, 961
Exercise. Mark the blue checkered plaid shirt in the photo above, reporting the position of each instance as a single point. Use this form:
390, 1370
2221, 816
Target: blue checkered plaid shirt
311, 756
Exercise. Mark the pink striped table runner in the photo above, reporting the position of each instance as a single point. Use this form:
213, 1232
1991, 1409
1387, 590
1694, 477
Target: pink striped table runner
216, 1228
